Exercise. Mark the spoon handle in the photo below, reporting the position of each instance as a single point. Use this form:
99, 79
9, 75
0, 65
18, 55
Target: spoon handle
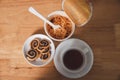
33, 11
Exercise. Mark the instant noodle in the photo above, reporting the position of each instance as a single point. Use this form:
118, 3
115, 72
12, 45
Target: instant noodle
62, 32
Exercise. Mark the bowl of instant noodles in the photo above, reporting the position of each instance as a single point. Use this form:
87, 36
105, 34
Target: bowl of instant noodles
66, 29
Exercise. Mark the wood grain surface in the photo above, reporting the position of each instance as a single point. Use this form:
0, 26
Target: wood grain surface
102, 33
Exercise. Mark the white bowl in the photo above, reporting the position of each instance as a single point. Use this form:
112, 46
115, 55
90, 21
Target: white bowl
62, 13
38, 62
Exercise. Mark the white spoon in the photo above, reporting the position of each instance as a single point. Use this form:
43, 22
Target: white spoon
33, 11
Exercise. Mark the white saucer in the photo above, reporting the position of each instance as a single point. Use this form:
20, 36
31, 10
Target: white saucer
70, 43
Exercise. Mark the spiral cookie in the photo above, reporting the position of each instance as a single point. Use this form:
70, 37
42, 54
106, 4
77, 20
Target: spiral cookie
40, 48
44, 43
35, 43
45, 56
32, 55
46, 50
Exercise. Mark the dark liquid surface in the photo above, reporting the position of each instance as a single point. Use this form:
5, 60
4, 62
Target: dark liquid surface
73, 59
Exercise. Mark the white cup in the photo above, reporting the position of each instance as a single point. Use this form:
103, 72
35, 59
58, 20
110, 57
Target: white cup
85, 51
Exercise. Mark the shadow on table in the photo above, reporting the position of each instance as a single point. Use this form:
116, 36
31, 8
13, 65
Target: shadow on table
96, 36
118, 77
39, 31
51, 73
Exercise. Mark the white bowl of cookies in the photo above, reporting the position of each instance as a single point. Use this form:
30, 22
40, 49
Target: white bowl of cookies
38, 50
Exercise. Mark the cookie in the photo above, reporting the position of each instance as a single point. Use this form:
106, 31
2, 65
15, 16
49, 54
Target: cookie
32, 55
44, 43
46, 50
45, 56
35, 43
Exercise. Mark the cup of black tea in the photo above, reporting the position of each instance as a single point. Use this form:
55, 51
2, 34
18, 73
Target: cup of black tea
73, 58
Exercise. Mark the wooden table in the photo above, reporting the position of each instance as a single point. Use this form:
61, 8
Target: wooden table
102, 33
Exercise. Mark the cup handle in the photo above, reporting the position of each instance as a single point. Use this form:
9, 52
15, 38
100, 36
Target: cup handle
85, 50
